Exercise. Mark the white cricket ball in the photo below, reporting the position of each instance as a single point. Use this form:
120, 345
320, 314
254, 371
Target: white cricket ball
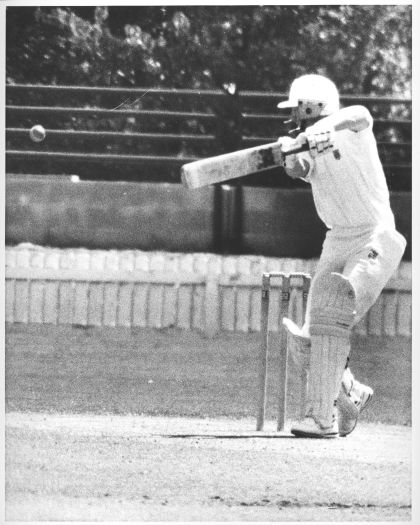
37, 133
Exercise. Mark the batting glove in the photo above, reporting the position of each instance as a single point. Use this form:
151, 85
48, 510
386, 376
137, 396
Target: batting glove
320, 142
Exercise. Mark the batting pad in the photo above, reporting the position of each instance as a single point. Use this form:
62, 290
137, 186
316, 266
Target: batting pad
333, 307
327, 360
298, 350
331, 319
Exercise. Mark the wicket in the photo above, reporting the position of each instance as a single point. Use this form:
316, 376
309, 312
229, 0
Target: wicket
288, 283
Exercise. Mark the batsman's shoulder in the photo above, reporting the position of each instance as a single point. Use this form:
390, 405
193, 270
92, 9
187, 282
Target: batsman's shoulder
354, 118
358, 113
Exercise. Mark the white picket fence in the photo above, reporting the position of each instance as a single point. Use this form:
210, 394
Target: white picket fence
199, 291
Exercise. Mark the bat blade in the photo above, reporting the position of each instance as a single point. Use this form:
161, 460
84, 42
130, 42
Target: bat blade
233, 165
228, 166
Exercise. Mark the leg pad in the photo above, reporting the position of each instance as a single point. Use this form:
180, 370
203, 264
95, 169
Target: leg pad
333, 307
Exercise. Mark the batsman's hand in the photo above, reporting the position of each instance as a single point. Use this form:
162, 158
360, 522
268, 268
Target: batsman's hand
319, 142
295, 167
288, 143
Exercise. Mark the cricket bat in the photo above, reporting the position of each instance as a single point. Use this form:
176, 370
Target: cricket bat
233, 165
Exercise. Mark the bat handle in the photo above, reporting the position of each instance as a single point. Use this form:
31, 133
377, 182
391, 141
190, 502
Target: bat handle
297, 149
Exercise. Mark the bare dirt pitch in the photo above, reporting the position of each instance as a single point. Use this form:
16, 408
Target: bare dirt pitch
118, 425
85, 467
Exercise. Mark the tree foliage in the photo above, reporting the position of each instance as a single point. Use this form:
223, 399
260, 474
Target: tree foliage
364, 49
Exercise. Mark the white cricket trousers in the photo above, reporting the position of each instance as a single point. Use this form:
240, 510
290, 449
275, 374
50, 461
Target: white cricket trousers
368, 258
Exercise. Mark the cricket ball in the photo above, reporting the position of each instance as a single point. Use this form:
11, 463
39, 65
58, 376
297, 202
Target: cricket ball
37, 133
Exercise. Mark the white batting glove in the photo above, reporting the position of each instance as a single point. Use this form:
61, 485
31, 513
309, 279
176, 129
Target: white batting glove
319, 142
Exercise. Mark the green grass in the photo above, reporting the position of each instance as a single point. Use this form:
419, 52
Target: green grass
173, 372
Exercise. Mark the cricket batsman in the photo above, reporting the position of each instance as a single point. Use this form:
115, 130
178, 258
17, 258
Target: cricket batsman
361, 250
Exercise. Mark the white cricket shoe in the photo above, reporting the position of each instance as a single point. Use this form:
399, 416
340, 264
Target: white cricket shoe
309, 428
349, 404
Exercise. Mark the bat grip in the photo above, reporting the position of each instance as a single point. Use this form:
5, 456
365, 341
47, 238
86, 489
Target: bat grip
297, 149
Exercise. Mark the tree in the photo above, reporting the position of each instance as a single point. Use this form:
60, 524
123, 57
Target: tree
365, 49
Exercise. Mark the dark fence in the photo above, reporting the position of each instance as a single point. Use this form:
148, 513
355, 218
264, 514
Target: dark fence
147, 134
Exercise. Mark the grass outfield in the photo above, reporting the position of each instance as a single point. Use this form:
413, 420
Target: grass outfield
88, 437
174, 372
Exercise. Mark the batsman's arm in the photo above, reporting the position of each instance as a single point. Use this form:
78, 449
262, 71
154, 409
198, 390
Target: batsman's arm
353, 118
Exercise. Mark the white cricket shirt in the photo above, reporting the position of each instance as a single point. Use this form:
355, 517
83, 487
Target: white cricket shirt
348, 184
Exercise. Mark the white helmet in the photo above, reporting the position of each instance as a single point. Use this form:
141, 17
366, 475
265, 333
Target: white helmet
315, 94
